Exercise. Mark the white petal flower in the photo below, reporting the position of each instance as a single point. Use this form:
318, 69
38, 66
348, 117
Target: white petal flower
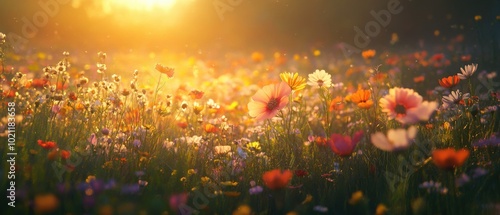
320, 79
454, 98
467, 71
396, 139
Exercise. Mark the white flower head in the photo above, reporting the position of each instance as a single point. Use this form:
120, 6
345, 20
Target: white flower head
454, 98
320, 79
467, 71
396, 139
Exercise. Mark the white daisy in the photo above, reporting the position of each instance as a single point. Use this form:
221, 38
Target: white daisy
320, 79
454, 98
467, 71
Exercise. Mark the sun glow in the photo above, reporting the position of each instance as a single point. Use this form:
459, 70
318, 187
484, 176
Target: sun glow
143, 5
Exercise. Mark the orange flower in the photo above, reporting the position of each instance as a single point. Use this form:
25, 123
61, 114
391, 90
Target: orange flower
449, 81
165, 70
336, 104
65, 154
419, 79
182, 124
449, 158
276, 179
196, 94
321, 141
52, 155
209, 128
38, 83
368, 54
45, 203
362, 98
46, 144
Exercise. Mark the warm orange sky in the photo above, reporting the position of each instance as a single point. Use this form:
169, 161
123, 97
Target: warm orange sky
250, 24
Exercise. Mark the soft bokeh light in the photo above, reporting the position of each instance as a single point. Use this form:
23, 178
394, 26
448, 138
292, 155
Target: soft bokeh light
140, 5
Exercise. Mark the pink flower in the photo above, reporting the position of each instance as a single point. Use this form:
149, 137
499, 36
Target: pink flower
406, 106
269, 100
344, 145
177, 200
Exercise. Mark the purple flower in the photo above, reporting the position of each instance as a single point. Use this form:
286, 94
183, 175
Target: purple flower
130, 189
105, 131
492, 141
139, 173
462, 180
321, 209
255, 190
478, 172
137, 143
110, 185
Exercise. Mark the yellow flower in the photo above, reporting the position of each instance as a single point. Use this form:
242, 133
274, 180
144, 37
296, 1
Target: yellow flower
191, 171
174, 172
243, 210
183, 179
293, 80
356, 198
254, 146
229, 183
90, 178
205, 179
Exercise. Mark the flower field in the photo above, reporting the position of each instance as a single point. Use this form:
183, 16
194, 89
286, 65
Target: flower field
264, 132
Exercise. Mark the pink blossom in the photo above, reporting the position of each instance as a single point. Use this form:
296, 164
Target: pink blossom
266, 103
344, 145
406, 106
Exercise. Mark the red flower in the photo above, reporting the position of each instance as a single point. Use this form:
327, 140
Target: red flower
449, 81
449, 158
438, 57
65, 154
301, 173
46, 144
276, 179
344, 145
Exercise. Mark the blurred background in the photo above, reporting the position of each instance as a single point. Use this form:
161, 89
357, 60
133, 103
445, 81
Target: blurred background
245, 24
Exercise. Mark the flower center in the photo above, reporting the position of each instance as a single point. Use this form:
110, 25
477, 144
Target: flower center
400, 109
320, 83
272, 104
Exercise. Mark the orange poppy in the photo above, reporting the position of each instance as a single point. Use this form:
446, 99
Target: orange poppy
368, 54
209, 128
196, 94
449, 158
362, 98
38, 83
277, 179
419, 79
65, 154
321, 141
449, 81
46, 144
336, 104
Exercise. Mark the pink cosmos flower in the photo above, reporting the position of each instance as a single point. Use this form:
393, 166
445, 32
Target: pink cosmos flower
269, 100
344, 145
406, 106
